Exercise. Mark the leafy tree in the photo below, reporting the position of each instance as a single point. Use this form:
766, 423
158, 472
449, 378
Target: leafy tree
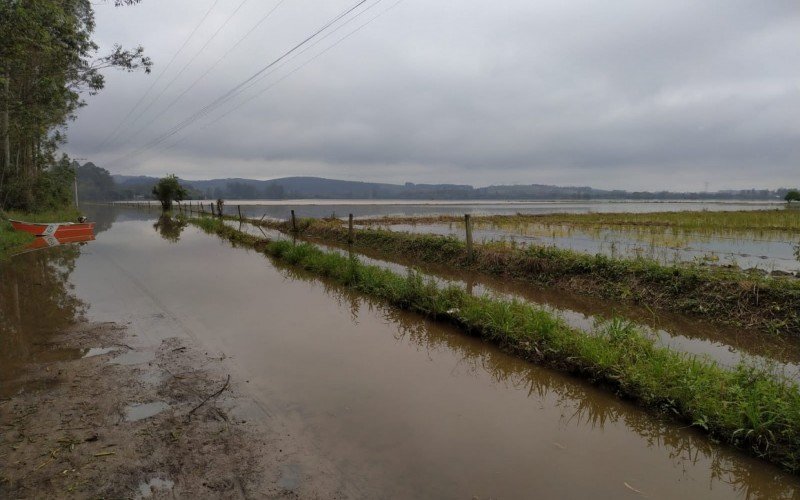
48, 62
167, 190
792, 195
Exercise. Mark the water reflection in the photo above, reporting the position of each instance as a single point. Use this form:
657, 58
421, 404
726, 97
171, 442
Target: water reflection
170, 228
36, 301
583, 407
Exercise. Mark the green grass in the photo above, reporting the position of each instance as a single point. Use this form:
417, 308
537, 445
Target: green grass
719, 294
66, 215
748, 407
12, 241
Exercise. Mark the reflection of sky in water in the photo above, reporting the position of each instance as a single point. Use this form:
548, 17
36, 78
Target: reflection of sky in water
767, 251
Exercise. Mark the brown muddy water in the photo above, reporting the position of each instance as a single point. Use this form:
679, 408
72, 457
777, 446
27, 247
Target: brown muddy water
726, 345
406, 408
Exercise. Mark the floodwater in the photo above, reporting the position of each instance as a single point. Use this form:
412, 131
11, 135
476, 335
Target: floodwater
404, 407
726, 345
765, 250
318, 208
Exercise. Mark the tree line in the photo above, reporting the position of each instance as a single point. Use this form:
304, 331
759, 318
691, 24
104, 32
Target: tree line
48, 64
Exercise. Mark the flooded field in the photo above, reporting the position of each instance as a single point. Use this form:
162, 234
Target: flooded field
280, 209
766, 250
403, 407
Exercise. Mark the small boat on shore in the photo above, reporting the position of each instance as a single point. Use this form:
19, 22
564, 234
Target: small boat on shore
57, 229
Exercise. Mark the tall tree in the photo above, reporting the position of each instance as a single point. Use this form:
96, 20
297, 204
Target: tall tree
48, 62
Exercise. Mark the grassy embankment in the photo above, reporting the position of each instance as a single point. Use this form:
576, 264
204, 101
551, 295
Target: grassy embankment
783, 219
747, 407
719, 294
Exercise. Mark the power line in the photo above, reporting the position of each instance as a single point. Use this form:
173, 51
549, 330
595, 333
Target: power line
298, 68
240, 87
211, 68
185, 66
337, 42
166, 68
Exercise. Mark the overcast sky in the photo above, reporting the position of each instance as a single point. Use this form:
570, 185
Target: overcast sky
627, 94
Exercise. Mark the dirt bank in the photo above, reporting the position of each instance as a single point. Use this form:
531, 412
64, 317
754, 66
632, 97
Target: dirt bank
121, 422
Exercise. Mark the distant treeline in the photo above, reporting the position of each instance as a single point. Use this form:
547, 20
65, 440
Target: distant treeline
97, 184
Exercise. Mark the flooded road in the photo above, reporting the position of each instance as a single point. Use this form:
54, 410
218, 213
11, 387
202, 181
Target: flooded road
403, 407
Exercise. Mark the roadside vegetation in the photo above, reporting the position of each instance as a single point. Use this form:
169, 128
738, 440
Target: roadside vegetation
11, 241
749, 407
48, 64
719, 294
703, 221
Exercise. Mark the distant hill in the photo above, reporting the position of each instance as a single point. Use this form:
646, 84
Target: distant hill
316, 187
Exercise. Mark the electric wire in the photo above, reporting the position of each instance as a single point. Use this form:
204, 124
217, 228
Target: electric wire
114, 132
175, 100
185, 67
247, 83
293, 71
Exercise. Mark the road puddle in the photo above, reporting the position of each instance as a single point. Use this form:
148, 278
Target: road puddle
141, 411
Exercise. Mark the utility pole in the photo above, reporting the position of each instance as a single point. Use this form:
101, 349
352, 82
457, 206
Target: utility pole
76, 160
6, 144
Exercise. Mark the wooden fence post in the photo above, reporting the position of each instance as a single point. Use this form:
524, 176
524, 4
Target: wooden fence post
239, 209
212, 209
294, 222
468, 224
350, 237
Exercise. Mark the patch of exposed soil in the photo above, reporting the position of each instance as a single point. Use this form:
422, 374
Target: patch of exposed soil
96, 427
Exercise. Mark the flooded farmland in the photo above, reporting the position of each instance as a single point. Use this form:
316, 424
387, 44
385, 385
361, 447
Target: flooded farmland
404, 407
768, 251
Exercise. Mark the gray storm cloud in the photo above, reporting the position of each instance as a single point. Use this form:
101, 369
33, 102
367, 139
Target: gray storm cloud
627, 94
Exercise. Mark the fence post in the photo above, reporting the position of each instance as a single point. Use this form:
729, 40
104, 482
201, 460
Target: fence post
294, 222
212, 209
468, 224
350, 238
239, 209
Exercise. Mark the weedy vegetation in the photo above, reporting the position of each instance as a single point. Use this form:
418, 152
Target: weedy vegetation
724, 295
781, 219
749, 407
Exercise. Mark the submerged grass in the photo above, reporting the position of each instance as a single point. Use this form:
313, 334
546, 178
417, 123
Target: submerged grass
719, 294
702, 221
748, 407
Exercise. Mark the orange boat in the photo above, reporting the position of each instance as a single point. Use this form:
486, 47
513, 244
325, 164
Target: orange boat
56, 229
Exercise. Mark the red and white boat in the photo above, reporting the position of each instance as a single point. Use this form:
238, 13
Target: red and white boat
56, 229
